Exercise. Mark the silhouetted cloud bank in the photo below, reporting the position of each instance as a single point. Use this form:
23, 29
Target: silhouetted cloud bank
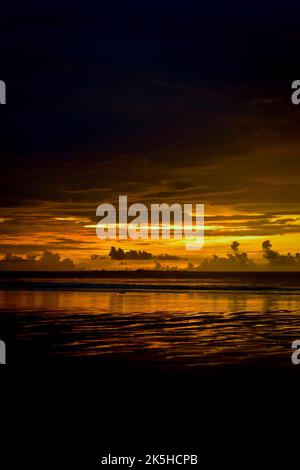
48, 261
119, 254
234, 260
275, 259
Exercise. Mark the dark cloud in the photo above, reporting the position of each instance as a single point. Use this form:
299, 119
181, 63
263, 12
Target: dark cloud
233, 261
120, 254
164, 267
279, 260
48, 261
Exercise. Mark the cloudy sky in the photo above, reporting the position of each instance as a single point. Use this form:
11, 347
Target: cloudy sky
165, 101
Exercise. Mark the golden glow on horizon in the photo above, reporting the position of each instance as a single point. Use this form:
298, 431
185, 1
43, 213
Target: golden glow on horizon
75, 236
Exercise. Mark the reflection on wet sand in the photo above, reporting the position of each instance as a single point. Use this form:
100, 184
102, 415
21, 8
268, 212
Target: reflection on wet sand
148, 327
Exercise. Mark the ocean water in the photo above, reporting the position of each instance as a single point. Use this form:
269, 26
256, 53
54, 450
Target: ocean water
206, 321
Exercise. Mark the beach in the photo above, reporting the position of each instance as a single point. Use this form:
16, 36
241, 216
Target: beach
208, 321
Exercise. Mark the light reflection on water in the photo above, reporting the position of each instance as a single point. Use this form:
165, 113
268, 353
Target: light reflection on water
185, 328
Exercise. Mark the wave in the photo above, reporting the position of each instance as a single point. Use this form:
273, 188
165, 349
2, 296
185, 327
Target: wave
137, 287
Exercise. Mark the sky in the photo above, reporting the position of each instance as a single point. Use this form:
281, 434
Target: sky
163, 101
